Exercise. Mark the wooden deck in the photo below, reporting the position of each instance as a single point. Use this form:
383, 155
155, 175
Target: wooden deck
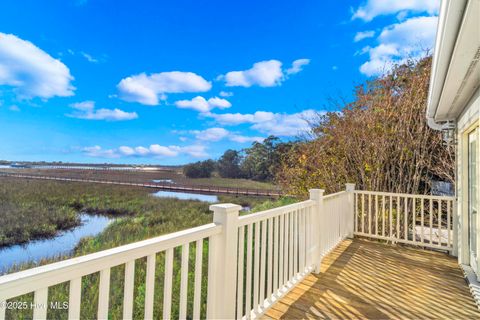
362, 279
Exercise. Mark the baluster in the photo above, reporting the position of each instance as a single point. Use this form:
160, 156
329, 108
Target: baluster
290, 245
383, 216
275, 255
248, 291
240, 265
439, 222
405, 223
369, 214
448, 222
149, 286
103, 294
431, 220
256, 267
40, 301
295, 242
263, 263
302, 240
422, 222
198, 279
128, 289
285, 248
363, 213
355, 203
74, 298
167, 289
414, 223
398, 218
270, 258
390, 213
184, 281
281, 278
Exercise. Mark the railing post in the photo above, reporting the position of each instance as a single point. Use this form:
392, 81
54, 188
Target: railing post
222, 263
318, 228
454, 228
350, 188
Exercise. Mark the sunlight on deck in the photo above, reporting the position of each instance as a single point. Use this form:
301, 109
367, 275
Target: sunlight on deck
362, 279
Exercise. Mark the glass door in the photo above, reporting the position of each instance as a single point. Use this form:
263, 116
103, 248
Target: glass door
473, 195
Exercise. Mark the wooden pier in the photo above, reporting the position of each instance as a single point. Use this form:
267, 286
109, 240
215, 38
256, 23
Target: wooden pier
160, 186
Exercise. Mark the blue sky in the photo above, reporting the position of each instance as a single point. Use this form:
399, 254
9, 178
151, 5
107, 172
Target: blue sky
171, 82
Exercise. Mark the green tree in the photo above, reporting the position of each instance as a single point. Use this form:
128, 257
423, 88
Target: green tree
229, 164
201, 169
261, 159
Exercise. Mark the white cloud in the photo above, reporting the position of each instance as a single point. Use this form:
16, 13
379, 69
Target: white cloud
363, 35
374, 8
268, 73
150, 89
202, 105
142, 151
164, 151
31, 71
211, 134
279, 124
217, 134
14, 108
97, 151
196, 151
86, 56
219, 103
297, 66
128, 151
397, 42
154, 150
89, 57
226, 94
264, 74
86, 110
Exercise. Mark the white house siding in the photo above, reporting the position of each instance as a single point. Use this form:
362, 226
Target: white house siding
469, 116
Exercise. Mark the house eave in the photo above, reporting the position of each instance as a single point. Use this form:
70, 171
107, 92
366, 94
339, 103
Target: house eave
455, 69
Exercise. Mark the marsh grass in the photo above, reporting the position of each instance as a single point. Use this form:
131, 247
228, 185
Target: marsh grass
141, 216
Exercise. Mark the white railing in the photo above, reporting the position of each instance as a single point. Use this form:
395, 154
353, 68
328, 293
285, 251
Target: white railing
275, 249
274, 253
39, 280
253, 260
420, 220
337, 218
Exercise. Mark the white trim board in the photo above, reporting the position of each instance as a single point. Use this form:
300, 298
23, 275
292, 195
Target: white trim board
473, 283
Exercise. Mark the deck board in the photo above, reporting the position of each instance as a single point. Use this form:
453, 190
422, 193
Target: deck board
364, 279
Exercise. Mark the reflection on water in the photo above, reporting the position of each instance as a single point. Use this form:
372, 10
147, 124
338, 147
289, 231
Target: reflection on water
186, 196
62, 244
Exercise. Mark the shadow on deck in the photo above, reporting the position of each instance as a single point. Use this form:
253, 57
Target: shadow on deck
363, 279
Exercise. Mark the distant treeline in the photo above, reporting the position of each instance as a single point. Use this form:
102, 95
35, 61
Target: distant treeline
259, 162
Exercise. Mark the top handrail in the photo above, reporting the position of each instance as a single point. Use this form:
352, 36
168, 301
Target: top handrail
408, 195
270, 213
15, 284
333, 195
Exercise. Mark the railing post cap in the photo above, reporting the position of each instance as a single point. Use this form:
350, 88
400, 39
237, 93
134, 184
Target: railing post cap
350, 186
316, 191
225, 207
